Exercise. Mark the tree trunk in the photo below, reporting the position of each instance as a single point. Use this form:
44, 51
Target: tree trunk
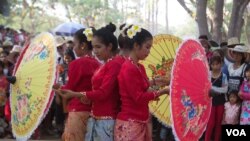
202, 17
115, 4
123, 15
68, 12
156, 16
217, 21
236, 20
106, 3
149, 14
153, 16
32, 20
241, 20
248, 27
166, 16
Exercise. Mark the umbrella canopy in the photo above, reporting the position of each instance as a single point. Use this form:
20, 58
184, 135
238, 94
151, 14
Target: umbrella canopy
190, 84
159, 63
67, 29
31, 94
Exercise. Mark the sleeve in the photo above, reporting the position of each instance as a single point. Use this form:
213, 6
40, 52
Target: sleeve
229, 68
224, 88
133, 85
109, 82
74, 75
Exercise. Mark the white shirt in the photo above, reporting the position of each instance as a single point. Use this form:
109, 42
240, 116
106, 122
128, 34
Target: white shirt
235, 72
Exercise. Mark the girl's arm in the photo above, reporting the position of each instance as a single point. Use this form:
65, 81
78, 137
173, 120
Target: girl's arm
244, 95
224, 88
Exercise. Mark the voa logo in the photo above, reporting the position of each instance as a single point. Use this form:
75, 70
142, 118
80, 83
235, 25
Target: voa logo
236, 132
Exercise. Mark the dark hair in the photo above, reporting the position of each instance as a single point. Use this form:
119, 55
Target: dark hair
70, 42
203, 37
82, 37
247, 69
243, 60
139, 38
215, 59
123, 40
5, 52
70, 53
1, 64
220, 51
202, 41
233, 92
106, 35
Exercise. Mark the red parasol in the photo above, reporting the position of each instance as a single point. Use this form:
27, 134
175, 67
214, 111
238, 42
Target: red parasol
190, 104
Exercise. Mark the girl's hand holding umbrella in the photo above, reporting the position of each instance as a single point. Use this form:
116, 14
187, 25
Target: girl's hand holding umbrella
56, 86
161, 81
66, 94
162, 92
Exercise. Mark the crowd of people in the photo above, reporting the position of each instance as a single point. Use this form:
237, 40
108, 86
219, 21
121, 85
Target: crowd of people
103, 90
11, 42
230, 93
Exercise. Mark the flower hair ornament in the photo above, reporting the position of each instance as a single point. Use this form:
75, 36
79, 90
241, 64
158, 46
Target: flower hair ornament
131, 32
88, 33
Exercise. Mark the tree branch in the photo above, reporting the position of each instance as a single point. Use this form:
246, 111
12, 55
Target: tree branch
240, 19
193, 2
188, 10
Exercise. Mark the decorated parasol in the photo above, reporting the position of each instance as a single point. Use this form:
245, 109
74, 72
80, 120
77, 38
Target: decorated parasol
31, 93
159, 63
190, 104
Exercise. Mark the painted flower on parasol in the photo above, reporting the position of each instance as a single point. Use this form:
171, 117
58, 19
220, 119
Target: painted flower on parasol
31, 89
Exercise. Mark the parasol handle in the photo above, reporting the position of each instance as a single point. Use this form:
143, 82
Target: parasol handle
11, 79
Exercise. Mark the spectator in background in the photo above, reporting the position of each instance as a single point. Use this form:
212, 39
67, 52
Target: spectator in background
61, 103
70, 45
49, 128
204, 42
14, 54
60, 46
7, 45
7, 65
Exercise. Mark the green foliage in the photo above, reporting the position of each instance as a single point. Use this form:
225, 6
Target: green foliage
34, 19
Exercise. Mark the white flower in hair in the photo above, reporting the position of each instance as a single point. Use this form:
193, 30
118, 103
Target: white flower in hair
131, 33
136, 28
88, 33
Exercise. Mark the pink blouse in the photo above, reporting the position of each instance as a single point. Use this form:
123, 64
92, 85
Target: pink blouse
231, 114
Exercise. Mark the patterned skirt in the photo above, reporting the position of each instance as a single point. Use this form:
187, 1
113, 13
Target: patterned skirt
132, 131
75, 127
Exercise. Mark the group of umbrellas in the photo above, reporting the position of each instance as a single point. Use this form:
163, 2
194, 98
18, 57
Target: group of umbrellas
187, 106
